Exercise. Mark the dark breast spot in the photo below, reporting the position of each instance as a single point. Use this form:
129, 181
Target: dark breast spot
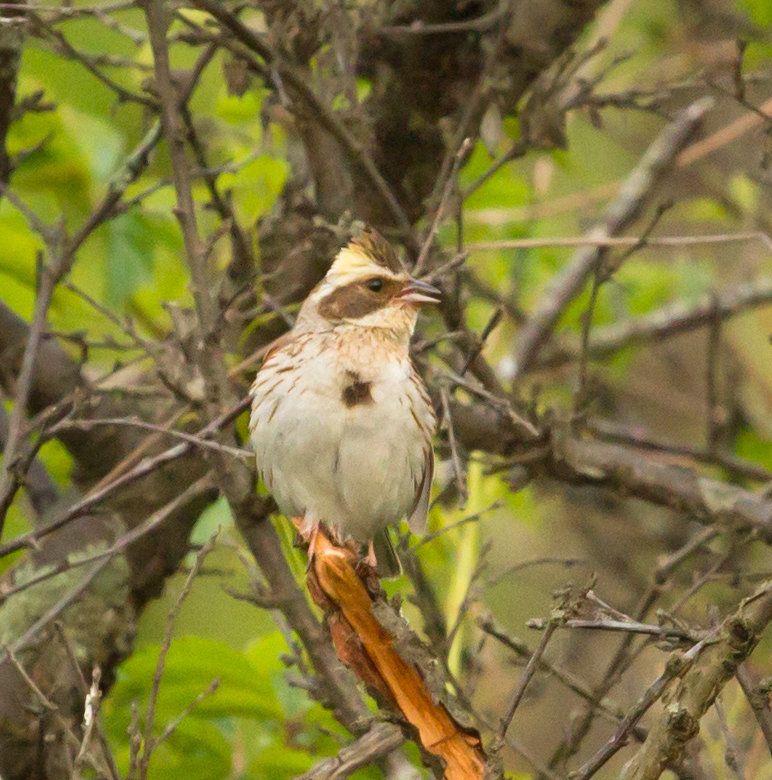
356, 393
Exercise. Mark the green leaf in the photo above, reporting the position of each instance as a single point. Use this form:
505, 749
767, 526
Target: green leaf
192, 663
129, 257
196, 750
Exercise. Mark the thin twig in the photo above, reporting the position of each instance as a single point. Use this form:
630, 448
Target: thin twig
602, 272
10, 656
758, 699
150, 742
528, 672
473, 518
714, 423
439, 214
732, 753
623, 657
633, 627
619, 241
472, 108
107, 755
676, 666
419, 27
733, 641
628, 204
521, 649
458, 466
47, 280
71, 52
144, 467
197, 488
135, 422
608, 431
490, 326
56, 609
662, 323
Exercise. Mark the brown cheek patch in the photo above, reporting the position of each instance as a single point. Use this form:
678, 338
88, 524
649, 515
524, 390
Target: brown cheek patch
355, 300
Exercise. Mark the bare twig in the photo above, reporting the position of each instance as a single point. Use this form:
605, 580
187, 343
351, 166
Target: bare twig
41, 489
144, 467
472, 107
458, 466
134, 422
150, 523
158, 21
620, 241
758, 699
56, 609
732, 753
736, 638
577, 686
71, 52
602, 272
10, 655
714, 422
530, 669
677, 664
107, 755
707, 500
627, 626
490, 326
380, 740
62, 255
419, 27
518, 149
439, 214
48, 278
608, 431
623, 657
150, 742
622, 211
665, 322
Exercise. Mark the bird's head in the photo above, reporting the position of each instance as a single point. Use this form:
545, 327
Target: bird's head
367, 285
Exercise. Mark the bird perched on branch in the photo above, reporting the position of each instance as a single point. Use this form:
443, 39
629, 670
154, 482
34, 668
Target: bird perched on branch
341, 421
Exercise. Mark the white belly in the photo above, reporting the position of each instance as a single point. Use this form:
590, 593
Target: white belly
354, 468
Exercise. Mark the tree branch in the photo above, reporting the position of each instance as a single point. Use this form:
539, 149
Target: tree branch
585, 461
662, 323
626, 207
699, 686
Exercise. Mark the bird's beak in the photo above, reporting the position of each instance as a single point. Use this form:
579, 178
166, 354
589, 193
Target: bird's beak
417, 291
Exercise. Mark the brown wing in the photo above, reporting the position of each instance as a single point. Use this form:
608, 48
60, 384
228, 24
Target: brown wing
260, 355
275, 345
417, 520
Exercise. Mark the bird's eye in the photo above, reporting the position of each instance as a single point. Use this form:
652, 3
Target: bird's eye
375, 284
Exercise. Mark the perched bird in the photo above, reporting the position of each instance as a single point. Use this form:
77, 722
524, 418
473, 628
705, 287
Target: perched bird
341, 421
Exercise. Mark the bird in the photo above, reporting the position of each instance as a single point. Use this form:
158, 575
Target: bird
341, 421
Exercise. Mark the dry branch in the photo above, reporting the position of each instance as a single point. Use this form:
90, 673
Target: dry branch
627, 206
699, 686
371, 746
371, 651
663, 323
588, 461
235, 480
